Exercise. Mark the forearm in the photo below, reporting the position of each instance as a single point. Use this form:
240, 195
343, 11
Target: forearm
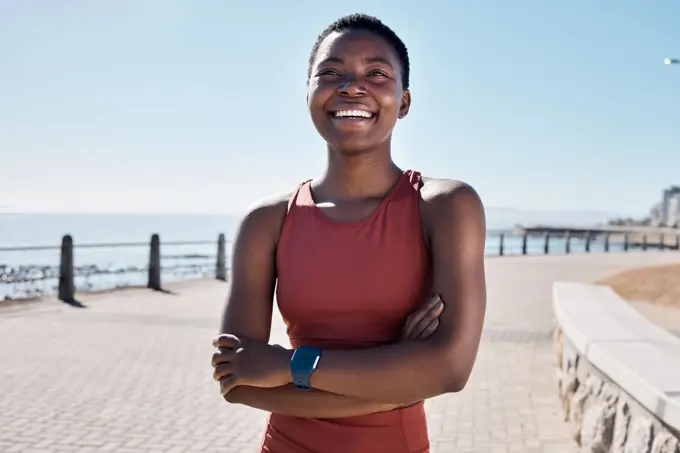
398, 373
287, 400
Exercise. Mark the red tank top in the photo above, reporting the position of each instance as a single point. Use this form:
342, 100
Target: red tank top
351, 285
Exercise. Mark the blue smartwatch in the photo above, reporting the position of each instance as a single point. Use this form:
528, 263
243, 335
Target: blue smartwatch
302, 365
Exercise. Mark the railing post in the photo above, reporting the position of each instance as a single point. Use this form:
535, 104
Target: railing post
644, 242
501, 245
662, 243
567, 243
155, 263
67, 287
625, 242
588, 237
524, 244
546, 245
606, 242
677, 242
221, 265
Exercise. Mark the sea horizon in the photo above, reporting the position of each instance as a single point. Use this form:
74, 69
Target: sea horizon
35, 228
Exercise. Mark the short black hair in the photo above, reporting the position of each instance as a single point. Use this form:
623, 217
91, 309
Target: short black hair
374, 25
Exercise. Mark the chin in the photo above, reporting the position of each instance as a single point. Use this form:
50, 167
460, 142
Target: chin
354, 143
353, 148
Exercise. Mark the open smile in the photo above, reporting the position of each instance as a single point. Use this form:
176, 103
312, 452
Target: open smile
355, 116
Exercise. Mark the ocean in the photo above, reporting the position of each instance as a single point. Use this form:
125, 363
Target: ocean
31, 273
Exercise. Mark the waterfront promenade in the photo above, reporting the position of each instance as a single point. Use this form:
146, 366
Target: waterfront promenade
131, 372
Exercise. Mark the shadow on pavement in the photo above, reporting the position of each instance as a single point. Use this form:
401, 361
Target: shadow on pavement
75, 303
166, 291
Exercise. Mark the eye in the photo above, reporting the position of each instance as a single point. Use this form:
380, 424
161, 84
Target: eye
377, 73
329, 72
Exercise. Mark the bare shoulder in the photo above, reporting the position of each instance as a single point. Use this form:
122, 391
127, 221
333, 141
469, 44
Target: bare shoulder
454, 223
266, 216
269, 207
442, 197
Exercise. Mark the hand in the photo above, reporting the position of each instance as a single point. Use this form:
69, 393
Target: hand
240, 361
424, 322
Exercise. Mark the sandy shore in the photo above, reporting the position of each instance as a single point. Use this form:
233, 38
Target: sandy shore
653, 290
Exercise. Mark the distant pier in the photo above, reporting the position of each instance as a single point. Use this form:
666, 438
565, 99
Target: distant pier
640, 237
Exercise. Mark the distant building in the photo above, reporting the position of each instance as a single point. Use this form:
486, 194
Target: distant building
656, 217
673, 214
670, 206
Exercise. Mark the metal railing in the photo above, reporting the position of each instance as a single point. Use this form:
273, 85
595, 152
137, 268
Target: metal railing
609, 241
67, 272
528, 243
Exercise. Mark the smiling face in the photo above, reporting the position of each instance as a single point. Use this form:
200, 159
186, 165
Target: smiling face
355, 94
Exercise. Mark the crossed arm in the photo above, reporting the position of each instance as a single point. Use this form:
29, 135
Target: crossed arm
352, 382
248, 314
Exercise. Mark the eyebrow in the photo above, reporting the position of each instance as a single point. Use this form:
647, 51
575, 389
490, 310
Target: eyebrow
378, 60
330, 60
367, 60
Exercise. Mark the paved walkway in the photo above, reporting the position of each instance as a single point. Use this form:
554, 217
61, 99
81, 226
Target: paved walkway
131, 372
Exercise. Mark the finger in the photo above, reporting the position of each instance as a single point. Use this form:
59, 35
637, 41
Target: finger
221, 356
226, 341
429, 330
427, 318
414, 318
228, 384
222, 371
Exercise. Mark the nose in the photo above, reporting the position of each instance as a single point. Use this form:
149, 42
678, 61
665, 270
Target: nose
351, 86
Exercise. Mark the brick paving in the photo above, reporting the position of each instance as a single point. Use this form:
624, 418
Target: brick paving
131, 374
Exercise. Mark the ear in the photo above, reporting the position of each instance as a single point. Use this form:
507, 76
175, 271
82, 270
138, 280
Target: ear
405, 104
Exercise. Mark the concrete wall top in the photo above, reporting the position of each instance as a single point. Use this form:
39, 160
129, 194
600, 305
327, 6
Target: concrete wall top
640, 357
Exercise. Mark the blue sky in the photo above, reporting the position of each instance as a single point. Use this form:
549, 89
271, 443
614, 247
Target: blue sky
185, 106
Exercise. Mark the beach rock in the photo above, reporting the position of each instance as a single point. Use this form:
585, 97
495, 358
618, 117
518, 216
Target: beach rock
639, 436
597, 428
665, 443
621, 427
568, 384
576, 407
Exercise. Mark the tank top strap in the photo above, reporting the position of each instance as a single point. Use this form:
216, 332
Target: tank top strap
415, 179
293, 198
408, 186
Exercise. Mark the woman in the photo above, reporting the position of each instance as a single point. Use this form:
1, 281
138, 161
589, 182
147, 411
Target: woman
352, 255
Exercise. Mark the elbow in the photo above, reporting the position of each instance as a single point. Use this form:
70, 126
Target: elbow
450, 376
455, 383
446, 381
455, 376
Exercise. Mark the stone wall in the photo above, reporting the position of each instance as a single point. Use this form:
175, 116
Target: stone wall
604, 418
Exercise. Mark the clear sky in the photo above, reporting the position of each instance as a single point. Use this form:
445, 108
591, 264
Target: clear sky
199, 106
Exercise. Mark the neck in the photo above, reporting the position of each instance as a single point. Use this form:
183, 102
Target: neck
370, 174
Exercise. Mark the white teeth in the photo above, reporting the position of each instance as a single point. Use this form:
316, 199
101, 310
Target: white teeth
353, 113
